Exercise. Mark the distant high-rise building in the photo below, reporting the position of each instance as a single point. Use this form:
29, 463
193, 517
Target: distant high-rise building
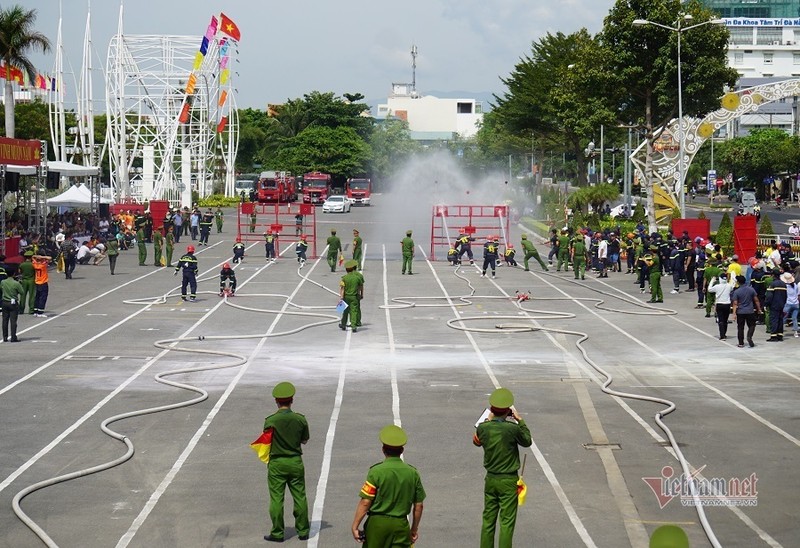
764, 47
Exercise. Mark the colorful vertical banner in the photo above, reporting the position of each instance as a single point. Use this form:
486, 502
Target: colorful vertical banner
222, 97
222, 123
224, 75
184, 116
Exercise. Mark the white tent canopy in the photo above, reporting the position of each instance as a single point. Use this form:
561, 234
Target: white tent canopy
75, 196
66, 169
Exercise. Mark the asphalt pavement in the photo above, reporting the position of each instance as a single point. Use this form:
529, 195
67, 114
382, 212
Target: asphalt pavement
598, 472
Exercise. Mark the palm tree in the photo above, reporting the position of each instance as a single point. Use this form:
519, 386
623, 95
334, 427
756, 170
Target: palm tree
17, 39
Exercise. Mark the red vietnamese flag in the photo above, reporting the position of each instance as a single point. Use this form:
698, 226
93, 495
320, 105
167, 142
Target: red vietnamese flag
222, 123
229, 27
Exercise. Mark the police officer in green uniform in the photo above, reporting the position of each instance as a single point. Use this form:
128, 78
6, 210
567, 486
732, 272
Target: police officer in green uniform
285, 468
140, 242
654, 265
170, 245
334, 248
407, 247
563, 251
219, 217
500, 439
253, 220
158, 244
351, 291
27, 277
578, 256
357, 248
530, 251
393, 489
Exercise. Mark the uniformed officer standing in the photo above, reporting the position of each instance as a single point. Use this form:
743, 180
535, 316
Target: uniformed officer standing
158, 244
188, 263
530, 251
140, 242
357, 248
334, 248
500, 439
578, 256
285, 468
205, 226
654, 266
490, 250
351, 291
393, 489
170, 238
27, 277
219, 217
407, 247
269, 244
253, 219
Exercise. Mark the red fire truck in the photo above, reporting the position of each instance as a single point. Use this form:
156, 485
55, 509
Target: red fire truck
276, 187
316, 187
359, 191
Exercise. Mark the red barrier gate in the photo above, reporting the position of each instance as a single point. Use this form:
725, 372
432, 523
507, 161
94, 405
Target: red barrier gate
479, 221
287, 221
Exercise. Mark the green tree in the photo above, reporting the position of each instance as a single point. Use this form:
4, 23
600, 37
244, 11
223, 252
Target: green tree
595, 196
725, 233
761, 154
391, 146
765, 226
553, 97
18, 39
640, 67
338, 151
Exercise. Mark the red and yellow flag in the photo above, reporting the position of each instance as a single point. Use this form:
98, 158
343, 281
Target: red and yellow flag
229, 27
262, 445
522, 491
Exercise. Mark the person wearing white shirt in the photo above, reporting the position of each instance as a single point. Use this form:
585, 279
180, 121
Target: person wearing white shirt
722, 290
602, 257
794, 231
59, 239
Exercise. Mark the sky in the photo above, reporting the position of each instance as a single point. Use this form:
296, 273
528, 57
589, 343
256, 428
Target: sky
289, 48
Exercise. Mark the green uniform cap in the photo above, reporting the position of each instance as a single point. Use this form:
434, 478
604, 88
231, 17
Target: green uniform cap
502, 398
393, 436
653, 247
283, 390
669, 536
351, 264
524, 236
408, 233
28, 254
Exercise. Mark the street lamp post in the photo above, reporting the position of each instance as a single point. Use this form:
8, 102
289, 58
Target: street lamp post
680, 29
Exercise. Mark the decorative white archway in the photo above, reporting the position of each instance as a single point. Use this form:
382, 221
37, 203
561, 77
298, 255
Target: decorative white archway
697, 130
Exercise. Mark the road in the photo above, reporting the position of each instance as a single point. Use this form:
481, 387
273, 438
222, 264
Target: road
193, 480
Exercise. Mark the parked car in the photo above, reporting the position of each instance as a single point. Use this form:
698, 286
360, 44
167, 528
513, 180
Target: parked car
336, 204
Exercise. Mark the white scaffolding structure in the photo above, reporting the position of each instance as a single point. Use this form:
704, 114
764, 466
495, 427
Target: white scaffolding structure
152, 154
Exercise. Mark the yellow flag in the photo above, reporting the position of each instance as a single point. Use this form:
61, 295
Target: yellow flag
60, 263
198, 60
522, 492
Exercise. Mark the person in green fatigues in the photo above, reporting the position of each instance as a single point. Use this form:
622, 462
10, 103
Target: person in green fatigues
27, 278
351, 291
158, 244
334, 249
578, 256
112, 250
654, 265
219, 218
170, 246
407, 247
140, 242
711, 272
530, 251
253, 220
563, 251
357, 248
500, 440
392, 490
285, 468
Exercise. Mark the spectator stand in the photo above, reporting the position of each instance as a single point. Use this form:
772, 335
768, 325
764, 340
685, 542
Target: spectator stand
478, 221
282, 219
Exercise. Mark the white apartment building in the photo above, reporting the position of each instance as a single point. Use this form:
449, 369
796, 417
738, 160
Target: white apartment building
432, 118
764, 47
